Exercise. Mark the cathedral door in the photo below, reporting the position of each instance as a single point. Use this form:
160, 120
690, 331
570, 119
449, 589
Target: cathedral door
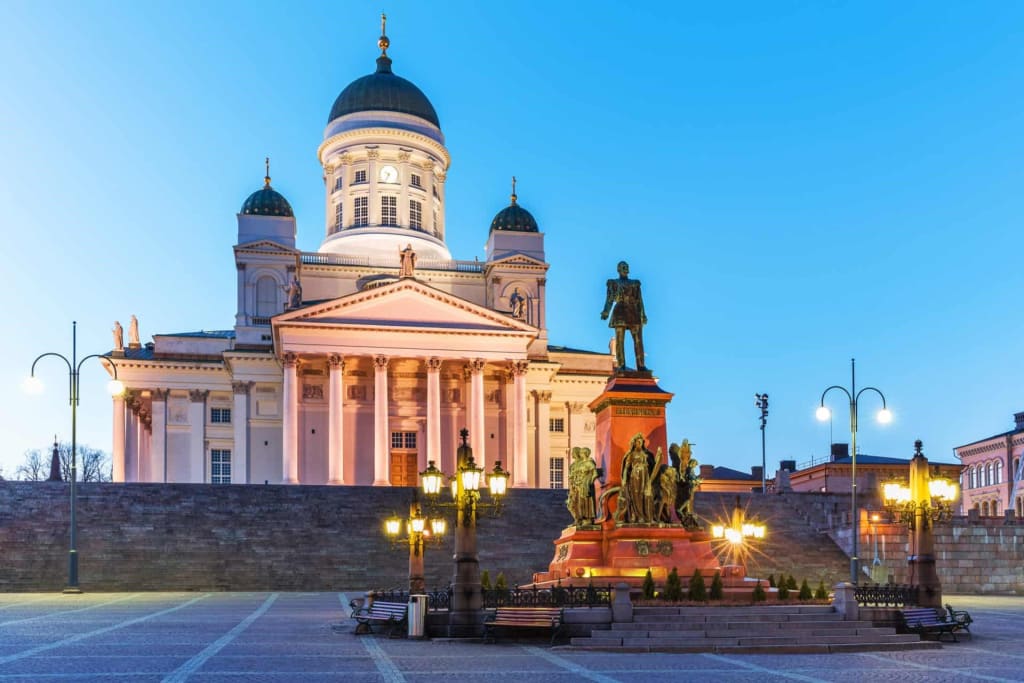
403, 468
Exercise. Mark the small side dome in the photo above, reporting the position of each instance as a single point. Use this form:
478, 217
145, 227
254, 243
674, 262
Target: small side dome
267, 201
514, 217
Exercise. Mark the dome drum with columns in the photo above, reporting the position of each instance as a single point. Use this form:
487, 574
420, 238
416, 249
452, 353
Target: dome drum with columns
361, 361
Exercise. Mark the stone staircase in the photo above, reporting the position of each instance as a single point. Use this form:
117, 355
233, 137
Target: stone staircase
795, 542
791, 629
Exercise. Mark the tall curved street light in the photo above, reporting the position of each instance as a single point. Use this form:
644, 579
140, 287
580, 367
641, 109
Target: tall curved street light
34, 385
884, 417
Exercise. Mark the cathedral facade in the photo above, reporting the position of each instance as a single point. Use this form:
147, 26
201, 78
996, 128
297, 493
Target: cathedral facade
360, 362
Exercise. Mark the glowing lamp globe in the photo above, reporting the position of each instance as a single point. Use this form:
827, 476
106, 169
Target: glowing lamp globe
115, 387
823, 413
32, 385
885, 416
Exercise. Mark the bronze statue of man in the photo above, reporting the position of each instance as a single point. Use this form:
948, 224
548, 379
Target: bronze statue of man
627, 314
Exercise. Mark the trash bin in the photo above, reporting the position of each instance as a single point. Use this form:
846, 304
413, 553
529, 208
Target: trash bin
417, 616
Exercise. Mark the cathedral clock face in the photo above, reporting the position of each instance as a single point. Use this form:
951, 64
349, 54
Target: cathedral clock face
388, 174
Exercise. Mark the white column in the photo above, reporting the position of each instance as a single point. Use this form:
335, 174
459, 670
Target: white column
434, 410
197, 436
290, 420
240, 426
118, 455
543, 451
131, 446
158, 437
336, 420
145, 436
381, 431
520, 466
477, 437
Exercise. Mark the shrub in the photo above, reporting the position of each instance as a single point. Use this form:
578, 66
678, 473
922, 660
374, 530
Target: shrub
821, 593
791, 583
759, 594
783, 591
500, 583
805, 591
717, 590
697, 591
673, 587
647, 590
485, 580
771, 580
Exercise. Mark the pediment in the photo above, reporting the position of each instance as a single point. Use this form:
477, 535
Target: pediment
518, 259
265, 246
405, 305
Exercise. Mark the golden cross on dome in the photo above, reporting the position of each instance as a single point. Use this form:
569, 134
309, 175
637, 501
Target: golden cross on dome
514, 190
266, 178
383, 43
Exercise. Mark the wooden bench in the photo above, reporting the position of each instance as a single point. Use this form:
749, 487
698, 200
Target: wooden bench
549, 618
927, 620
962, 619
393, 615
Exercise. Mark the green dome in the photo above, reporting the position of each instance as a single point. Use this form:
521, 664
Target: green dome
383, 91
267, 202
514, 217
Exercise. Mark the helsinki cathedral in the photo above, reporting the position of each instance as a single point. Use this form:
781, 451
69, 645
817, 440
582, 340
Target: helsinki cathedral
358, 363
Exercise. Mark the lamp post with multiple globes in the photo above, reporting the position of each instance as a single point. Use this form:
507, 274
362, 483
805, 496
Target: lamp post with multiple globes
34, 385
884, 417
465, 616
417, 528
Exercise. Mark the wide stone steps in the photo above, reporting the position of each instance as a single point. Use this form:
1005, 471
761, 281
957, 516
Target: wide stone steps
797, 629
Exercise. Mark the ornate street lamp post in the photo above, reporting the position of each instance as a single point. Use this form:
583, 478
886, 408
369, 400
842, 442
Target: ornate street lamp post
417, 528
761, 401
884, 417
34, 385
925, 501
466, 614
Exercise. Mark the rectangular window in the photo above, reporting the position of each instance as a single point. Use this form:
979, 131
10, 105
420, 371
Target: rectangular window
362, 211
338, 215
220, 466
388, 210
415, 214
403, 440
337, 183
557, 469
220, 415
415, 181
556, 424
360, 177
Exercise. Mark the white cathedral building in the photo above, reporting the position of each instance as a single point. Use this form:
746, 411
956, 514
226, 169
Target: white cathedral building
360, 362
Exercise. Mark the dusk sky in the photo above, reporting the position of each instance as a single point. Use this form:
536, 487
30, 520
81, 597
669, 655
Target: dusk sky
795, 184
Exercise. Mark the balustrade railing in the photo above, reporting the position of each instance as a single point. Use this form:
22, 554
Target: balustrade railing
554, 596
885, 595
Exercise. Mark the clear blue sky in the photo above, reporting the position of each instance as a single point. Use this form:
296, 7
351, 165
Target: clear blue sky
794, 183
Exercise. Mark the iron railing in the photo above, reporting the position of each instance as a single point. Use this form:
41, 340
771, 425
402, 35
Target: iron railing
555, 596
885, 595
436, 600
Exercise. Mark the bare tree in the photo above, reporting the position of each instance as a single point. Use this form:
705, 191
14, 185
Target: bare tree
93, 464
35, 466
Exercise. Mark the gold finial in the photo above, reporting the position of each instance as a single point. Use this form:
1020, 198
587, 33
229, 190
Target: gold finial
383, 43
266, 178
514, 190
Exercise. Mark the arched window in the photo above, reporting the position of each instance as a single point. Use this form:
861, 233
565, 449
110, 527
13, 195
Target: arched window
1020, 507
1016, 466
999, 472
266, 297
973, 472
984, 509
988, 474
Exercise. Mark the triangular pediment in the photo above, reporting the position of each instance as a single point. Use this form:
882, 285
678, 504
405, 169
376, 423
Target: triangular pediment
518, 259
405, 305
265, 246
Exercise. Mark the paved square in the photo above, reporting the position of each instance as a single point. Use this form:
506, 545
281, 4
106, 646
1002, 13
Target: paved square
289, 637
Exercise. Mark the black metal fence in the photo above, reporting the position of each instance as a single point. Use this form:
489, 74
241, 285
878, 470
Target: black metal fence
888, 595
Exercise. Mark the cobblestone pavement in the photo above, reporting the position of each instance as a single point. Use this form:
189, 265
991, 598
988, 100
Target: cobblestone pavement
236, 637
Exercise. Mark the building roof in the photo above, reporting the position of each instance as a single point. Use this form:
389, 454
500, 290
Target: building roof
204, 334
383, 91
514, 218
989, 438
728, 473
566, 349
863, 459
267, 201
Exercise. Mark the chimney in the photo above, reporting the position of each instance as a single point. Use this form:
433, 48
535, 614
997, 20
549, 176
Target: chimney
757, 472
787, 465
1018, 419
706, 471
840, 450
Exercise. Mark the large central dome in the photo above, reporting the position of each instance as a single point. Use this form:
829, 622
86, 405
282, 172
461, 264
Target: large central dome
383, 91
